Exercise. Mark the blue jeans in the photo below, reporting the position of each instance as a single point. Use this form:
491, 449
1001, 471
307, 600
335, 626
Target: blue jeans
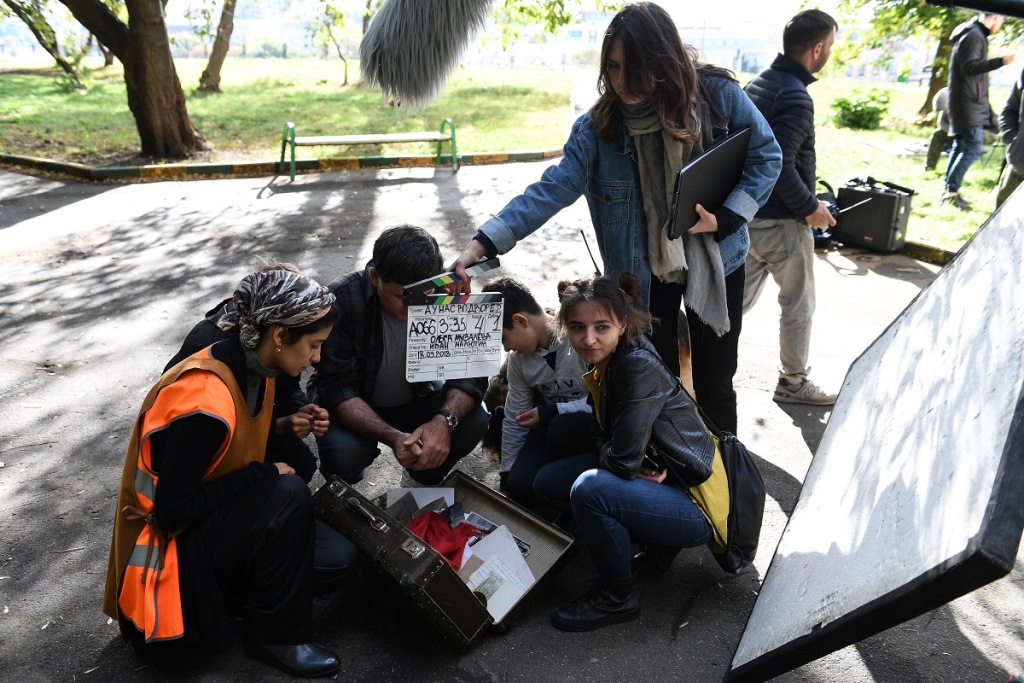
611, 511
553, 483
347, 453
967, 148
567, 434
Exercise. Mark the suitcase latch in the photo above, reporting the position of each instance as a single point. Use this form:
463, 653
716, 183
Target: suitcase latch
414, 548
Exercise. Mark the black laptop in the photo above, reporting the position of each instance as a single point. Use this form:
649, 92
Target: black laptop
707, 180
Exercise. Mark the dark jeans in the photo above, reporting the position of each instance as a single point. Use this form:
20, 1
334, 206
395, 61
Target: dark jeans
611, 512
714, 358
554, 481
567, 434
347, 453
967, 148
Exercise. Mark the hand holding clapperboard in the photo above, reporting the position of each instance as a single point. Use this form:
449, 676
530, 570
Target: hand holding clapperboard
451, 336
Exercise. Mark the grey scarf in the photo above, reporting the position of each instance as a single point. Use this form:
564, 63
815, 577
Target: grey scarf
692, 259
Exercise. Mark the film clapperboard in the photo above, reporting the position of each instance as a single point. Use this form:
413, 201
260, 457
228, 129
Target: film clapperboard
451, 336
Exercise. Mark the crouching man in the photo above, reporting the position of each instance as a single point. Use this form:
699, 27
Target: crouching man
360, 378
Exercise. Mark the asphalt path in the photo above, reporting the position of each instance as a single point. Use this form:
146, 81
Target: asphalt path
100, 284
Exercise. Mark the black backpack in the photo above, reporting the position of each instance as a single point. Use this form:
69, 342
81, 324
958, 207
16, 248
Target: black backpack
746, 500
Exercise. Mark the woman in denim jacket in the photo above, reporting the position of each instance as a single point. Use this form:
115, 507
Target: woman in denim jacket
658, 108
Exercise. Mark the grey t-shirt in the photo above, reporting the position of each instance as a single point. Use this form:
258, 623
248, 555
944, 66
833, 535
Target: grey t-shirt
391, 388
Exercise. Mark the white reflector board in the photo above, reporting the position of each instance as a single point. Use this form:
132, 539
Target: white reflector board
914, 496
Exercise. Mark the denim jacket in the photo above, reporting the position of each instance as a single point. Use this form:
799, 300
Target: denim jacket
606, 173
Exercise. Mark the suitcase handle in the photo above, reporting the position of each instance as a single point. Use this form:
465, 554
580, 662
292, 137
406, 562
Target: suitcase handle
377, 523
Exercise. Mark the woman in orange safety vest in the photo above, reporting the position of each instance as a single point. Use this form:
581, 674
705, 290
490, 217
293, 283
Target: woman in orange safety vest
206, 530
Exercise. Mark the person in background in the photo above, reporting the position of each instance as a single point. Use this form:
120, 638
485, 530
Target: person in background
205, 528
658, 108
547, 416
781, 240
969, 108
940, 139
1009, 129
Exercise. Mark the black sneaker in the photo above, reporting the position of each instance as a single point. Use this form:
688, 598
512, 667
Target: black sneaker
956, 201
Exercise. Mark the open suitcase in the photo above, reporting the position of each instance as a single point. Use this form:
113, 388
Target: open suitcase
425, 575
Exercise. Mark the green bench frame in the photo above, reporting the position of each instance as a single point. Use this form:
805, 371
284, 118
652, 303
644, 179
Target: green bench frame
290, 139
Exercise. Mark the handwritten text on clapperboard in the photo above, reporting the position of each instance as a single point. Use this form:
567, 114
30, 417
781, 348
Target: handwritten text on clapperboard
451, 341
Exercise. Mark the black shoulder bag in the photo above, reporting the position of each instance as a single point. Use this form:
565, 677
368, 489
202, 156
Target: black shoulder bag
746, 500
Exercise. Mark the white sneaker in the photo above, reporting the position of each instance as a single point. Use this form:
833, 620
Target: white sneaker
407, 482
806, 392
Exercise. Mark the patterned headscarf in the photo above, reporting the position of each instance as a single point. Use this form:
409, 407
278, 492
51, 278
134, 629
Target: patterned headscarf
276, 296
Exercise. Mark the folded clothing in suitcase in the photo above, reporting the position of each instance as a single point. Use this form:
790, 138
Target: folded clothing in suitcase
873, 214
423, 574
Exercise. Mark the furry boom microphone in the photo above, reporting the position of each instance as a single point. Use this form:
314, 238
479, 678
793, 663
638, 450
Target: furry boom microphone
412, 46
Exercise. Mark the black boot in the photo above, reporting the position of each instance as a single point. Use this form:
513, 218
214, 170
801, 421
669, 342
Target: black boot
308, 660
654, 558
603, 605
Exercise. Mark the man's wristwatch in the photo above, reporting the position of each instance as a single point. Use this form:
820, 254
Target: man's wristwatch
452, 420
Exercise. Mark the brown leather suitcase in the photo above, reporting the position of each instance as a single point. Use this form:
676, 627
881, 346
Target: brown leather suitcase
422, 573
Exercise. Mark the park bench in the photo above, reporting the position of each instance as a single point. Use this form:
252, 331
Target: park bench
290, 139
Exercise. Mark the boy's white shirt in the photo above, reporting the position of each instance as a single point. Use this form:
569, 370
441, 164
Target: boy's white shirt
562, 386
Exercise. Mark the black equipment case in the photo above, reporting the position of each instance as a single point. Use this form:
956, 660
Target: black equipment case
880, 224
425, 575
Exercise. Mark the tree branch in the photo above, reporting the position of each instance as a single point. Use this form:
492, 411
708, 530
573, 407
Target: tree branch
102, 23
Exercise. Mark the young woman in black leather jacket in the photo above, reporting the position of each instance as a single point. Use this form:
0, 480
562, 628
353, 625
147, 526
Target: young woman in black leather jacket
641, 409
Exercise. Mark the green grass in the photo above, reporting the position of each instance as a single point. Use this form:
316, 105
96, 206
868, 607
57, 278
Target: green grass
494, 110
889, 154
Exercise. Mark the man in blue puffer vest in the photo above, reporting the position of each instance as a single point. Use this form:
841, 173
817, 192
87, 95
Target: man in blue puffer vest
781, 242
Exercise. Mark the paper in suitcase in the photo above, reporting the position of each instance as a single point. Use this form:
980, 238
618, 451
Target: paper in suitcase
423, 574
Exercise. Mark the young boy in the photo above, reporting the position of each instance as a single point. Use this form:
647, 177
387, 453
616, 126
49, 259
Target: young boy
546, 412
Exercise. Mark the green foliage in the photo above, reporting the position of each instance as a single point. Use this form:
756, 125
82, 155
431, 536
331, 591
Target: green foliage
513, 15
201, 19
495, 110
859, 110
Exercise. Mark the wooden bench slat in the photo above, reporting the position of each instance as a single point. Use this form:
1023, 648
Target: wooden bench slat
370, 139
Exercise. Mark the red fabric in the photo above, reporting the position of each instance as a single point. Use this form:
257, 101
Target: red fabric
432, 528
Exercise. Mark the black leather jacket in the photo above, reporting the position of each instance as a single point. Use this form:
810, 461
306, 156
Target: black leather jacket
641, 402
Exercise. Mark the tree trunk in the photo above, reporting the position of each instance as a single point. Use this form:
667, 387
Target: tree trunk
940, 64
108, 56
155, 97
44, 34
210, 80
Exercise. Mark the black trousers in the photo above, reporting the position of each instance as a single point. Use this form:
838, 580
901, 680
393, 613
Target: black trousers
260, 547
714, 358
252, 558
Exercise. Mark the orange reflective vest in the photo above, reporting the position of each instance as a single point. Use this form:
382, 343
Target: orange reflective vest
142, 573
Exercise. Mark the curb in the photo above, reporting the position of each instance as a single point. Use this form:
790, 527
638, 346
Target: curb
184, 171
918, 250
